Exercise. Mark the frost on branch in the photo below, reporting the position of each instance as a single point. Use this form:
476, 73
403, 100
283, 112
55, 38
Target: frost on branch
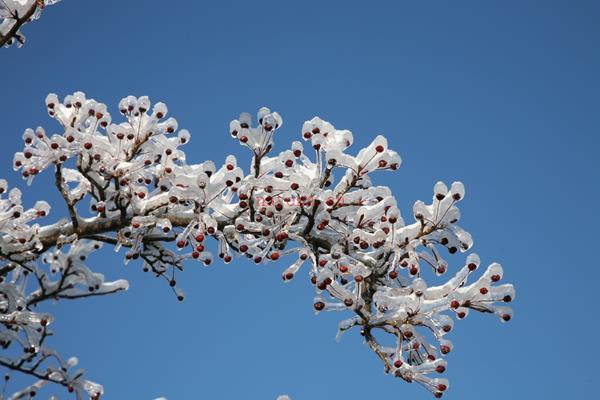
25, 284
128, 184
14, 14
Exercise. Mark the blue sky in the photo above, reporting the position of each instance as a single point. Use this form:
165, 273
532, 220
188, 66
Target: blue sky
503, 95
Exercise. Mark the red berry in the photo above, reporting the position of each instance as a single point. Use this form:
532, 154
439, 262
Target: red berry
379, 149
398, 363
495, 278
281, 236
393, 274
506, 317
319, 305
445, 349
472, 267
483, 290
343, 269
243, 248
440, 369
181, 244
200, 237
454, 304
275, 256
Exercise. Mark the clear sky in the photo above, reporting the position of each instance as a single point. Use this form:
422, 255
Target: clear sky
503, 95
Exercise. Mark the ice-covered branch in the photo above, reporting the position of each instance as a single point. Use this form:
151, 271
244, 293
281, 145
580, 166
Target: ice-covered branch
14, 14
320, 208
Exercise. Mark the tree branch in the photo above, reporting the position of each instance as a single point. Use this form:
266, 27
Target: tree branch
59, 182
19, 21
